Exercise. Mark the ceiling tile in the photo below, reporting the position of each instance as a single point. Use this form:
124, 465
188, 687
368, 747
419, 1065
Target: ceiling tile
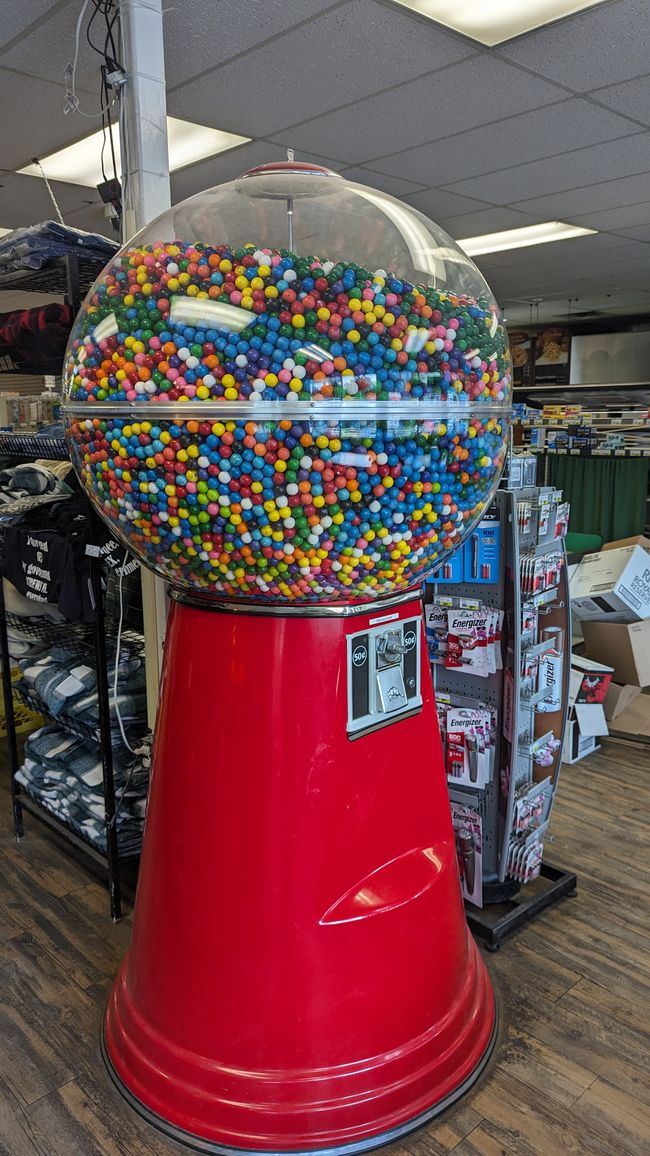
531, 138
25, 200
18, 15
638, 232
622, 217
539, 133
33, 120
592, 197
206, 39
572, 249
45, 51
336, 60
633, 278
91, 218
491, 90
631, 98
439, 204
395, 186
488, 220
610, 41
571, 170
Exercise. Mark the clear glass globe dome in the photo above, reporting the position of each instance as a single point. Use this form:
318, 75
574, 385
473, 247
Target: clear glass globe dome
289, 388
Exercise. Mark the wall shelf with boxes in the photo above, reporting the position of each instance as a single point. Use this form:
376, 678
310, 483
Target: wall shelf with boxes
575, 428
498, 630
596, 446
84, 771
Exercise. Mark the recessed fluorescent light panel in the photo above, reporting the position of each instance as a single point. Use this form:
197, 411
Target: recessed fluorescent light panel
522, 238
80, 163
494, 21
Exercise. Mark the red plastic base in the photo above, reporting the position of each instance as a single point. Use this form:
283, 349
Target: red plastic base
301, 975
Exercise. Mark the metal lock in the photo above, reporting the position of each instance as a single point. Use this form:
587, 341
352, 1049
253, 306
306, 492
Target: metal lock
383, 675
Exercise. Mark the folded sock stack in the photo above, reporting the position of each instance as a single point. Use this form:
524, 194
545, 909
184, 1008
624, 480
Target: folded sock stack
67, 685
64, 774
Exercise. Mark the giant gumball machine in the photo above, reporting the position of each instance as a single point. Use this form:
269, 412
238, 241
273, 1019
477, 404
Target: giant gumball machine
288, 396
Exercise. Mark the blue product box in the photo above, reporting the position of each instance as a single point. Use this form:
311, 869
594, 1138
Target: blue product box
482, 553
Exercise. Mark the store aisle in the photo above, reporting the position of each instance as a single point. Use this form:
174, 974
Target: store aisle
570, 1071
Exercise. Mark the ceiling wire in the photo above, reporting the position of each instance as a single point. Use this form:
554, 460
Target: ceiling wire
35, 161
111, 78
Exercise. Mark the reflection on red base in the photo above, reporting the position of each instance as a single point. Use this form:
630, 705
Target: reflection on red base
301, 975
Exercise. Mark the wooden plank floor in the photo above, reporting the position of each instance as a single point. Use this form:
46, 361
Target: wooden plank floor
571, 1073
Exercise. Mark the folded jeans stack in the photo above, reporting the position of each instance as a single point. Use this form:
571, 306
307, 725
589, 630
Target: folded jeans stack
67, 685
64, 774
36, 246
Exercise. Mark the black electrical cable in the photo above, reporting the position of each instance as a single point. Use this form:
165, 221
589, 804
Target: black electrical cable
101, 158
109, 11
94, 47
109, 122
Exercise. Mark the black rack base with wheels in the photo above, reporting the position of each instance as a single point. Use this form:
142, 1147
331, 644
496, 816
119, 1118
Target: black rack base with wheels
498, 920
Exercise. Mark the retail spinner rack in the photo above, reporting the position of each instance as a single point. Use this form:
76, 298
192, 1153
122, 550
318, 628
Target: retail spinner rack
522, 730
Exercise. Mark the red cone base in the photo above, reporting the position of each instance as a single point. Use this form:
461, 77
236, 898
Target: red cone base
301, 975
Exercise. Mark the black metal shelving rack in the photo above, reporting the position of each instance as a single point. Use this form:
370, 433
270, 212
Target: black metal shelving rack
70, 276
75, 638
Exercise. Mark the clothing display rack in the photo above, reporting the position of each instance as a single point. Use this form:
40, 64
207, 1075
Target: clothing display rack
83, 640
70, 276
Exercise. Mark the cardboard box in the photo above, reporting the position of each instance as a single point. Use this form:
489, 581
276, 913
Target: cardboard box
577, 746
618, 699
589, 681
612, 585
626, 646
588, 685
634, 722
639, 540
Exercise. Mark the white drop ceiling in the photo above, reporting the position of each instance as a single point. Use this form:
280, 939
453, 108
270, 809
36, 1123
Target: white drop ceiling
552, 125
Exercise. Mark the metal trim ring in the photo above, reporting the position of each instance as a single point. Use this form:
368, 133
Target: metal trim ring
302, 610
340, 411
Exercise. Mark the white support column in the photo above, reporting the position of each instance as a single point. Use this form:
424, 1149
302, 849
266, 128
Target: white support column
146, 194
145, 177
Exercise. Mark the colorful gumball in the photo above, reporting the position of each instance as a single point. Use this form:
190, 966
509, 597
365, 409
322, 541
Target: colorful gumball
271, 426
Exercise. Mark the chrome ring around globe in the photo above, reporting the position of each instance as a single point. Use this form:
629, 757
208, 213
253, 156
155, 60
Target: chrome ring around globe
261, 425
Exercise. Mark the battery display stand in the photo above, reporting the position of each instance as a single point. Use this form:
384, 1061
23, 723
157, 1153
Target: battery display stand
514, 569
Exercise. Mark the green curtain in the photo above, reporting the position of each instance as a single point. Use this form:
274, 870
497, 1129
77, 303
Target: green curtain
608, 496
